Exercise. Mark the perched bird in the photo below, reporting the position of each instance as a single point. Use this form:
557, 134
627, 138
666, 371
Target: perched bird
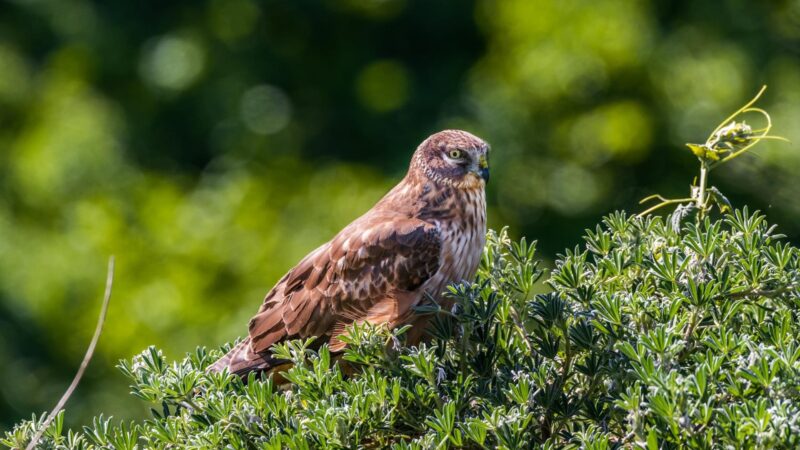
426, 233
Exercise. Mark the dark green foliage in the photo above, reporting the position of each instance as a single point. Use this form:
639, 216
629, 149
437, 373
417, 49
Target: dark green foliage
651, 337
158, 131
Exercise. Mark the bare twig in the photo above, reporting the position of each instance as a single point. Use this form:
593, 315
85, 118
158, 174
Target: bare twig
729, 140
86, 358
651, 197
739, 111
662, 204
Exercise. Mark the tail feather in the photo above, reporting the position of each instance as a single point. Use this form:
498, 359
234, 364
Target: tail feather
241, 360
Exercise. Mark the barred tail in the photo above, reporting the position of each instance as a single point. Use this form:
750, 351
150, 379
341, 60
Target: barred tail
241, 360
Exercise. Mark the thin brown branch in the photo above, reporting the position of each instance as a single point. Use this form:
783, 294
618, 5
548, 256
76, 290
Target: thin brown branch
101, 320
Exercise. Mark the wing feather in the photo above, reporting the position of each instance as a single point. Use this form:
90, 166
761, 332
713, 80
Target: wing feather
368, 272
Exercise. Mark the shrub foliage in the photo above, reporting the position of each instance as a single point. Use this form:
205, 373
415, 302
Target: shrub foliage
657, 333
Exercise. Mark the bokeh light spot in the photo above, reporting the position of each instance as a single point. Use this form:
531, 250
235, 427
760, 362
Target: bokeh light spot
265, 109
383, 86
701, 79
573, 189
172, 62
620, 130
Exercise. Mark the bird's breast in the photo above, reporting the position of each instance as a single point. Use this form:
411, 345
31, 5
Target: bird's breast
463, 233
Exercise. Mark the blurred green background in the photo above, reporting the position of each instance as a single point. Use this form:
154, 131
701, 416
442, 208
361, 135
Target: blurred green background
210, 144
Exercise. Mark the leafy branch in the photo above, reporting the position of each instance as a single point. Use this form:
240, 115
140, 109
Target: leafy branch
729, 140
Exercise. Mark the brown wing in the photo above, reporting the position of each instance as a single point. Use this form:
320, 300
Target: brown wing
371, 271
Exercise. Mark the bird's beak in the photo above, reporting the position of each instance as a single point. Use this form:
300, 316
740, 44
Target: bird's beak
483, 168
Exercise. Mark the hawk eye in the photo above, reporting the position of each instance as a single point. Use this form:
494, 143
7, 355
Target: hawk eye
456, 154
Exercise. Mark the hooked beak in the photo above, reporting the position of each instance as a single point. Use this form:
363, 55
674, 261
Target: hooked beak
483, 168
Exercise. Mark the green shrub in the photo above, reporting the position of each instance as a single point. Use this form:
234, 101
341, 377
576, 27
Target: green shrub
655, 334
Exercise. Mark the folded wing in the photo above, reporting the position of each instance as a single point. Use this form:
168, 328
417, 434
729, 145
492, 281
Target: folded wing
370, 272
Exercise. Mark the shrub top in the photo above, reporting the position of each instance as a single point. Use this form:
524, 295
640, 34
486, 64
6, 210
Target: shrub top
655, 334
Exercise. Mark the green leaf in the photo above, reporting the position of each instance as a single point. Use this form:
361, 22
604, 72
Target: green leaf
720, 200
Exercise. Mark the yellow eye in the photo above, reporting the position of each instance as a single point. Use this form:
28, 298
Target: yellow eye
456, 154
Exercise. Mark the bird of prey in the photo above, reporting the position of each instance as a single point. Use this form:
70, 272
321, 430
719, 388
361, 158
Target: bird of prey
426, 233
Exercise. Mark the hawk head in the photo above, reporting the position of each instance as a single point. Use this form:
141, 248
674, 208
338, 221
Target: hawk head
455, 158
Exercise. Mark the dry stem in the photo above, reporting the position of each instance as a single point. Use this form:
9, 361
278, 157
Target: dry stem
86, 358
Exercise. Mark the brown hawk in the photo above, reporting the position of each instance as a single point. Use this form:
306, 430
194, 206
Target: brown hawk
426, 233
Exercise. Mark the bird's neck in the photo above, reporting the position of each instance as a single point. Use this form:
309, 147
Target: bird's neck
432, 201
